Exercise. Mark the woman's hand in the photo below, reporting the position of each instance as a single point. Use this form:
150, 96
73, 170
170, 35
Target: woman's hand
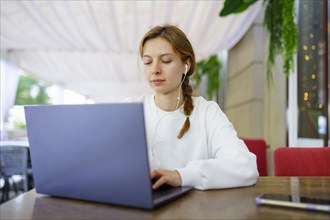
169, 177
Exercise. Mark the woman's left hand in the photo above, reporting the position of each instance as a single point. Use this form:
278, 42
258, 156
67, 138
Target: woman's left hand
169, 177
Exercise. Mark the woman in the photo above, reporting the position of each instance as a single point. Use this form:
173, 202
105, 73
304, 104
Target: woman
191, 142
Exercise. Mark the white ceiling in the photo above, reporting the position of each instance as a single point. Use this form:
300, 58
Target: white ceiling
91, 46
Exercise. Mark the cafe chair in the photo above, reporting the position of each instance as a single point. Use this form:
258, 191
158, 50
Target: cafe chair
301, 161
259, 148
13, 161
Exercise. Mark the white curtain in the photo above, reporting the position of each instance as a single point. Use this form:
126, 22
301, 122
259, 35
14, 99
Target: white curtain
91, 47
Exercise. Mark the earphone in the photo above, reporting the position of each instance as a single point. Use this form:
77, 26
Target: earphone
156, 160
185, 72
184, 77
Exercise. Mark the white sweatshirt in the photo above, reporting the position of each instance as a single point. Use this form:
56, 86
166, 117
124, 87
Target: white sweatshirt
208, 156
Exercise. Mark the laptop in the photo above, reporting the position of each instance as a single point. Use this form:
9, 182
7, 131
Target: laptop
94, 152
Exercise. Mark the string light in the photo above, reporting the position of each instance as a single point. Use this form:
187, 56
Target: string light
306, 96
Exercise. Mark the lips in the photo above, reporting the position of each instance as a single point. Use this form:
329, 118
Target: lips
157, 81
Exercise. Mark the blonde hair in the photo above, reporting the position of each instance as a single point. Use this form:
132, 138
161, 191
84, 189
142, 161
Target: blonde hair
182, 46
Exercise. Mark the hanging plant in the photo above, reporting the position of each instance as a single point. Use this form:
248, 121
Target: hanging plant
279, 22
283, 34
211, 69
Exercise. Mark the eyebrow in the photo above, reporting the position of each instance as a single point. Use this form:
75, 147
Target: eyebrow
164, 54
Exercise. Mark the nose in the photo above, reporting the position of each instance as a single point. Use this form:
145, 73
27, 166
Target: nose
156, 69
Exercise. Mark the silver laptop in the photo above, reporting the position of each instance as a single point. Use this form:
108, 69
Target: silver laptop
94, 152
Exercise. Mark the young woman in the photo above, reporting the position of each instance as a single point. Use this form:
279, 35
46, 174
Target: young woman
191, 142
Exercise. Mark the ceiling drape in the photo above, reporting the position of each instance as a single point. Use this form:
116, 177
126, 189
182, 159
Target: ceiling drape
91, 46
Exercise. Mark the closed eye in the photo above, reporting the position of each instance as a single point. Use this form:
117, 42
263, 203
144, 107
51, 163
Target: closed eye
147, 61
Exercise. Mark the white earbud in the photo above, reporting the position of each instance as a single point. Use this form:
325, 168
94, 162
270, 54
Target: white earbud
185, 73
184, 77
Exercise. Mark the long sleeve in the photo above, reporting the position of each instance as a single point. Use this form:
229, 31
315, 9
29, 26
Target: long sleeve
208, 156
229, 162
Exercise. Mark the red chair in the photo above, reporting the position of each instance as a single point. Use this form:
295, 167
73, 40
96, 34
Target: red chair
299, 161
259, 148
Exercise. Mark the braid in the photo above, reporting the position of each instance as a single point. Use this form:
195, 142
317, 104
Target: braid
187, 107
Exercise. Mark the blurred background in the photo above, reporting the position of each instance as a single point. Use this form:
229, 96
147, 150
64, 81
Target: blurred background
85, 52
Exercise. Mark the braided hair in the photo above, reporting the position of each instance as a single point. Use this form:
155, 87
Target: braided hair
180, 43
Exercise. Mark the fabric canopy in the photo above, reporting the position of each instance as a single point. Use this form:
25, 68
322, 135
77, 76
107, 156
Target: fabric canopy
91, 46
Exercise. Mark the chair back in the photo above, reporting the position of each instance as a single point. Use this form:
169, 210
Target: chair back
14, 161
259, 148
301, 161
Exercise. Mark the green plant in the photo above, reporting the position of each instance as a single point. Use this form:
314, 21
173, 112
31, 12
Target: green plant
283, 32
31, 91
236, 6
19, 125
279, 22
211, 69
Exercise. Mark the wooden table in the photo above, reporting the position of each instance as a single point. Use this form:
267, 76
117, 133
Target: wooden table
237, 203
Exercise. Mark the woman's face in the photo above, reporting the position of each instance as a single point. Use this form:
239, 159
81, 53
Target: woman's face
162, 66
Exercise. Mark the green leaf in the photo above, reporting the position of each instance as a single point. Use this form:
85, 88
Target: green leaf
235, 6
211, 69
279, 21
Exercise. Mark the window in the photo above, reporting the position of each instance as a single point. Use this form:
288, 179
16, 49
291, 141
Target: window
312, 109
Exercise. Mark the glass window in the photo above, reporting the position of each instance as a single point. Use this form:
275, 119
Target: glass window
311, 95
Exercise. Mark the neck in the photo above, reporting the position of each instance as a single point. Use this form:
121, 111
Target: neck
168, 102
